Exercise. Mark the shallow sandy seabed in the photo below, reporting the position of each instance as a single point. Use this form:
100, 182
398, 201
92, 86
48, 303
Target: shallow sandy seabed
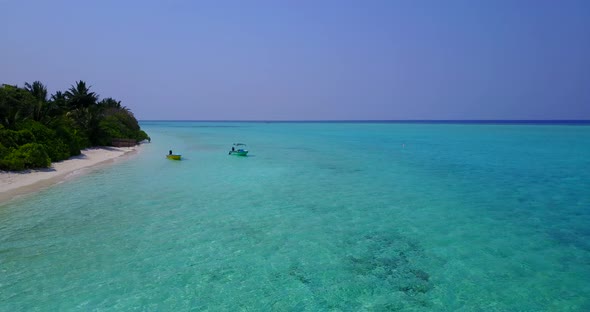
13, 184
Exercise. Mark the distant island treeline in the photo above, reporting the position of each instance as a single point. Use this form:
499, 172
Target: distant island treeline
37, 129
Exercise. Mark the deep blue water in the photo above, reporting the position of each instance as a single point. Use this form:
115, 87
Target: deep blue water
374, 216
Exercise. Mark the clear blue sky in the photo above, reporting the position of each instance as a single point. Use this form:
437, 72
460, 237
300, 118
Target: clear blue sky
294, 60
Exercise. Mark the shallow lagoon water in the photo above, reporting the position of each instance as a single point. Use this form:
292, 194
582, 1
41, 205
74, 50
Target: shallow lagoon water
318, 217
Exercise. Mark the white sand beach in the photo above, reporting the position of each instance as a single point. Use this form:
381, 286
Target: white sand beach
19, 183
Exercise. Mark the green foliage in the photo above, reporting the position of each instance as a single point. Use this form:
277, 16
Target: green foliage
55, 147
142, 136
66, 131
41, 108
57, 104
16, 104
14, 138
110, 103
11, 162
79, 96
35, 130
3, 150
112, 128
30, 155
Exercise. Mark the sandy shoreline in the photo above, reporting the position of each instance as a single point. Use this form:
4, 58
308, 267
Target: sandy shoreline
13, 184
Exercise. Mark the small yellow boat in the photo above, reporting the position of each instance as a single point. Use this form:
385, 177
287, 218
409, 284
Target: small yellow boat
173, 157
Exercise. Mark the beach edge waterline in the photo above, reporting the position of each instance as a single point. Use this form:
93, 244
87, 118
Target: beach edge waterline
17, 184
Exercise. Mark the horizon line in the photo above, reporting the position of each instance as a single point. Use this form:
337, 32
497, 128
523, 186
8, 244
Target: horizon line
375, 120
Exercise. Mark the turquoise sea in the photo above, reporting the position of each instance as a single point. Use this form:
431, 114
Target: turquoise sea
319, 217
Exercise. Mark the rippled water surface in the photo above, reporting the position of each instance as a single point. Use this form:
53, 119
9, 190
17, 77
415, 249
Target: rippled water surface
319, 217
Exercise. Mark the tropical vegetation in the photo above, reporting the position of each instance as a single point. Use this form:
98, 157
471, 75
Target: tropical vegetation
37, 129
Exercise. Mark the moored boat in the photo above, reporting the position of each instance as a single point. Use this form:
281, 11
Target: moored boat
239, 149
173, 157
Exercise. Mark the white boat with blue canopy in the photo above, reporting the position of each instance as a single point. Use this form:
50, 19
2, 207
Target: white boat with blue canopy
238, 149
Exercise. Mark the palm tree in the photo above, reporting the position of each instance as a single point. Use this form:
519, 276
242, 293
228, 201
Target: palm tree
16, 105
112, 106
58, 103
110, 103
79, 96
39, 92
